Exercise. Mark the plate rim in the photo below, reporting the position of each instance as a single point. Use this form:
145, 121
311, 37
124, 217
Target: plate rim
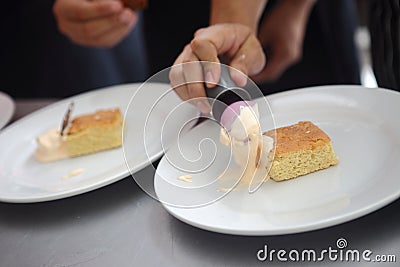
347, 217
11, 104
327, 222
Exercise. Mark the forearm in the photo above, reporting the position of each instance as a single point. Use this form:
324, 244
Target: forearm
237, 11
302, 7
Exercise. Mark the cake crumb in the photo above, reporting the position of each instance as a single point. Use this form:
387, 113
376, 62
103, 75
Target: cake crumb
185, 178
224, 190
73, 173
229, 189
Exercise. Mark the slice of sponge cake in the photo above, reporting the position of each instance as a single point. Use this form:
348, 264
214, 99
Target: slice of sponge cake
300, 149
94, 132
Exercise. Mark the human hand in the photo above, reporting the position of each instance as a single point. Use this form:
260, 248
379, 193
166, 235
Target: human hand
99, 23
282, 34
237, 46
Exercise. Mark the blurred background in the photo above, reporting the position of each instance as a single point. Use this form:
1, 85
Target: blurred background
37, 61
378, 37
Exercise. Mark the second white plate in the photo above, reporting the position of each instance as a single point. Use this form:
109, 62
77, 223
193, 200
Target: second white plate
23, 179
365, 131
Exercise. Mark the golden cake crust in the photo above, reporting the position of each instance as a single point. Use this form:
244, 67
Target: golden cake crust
90, 133
300, 149
301, 136
101, 118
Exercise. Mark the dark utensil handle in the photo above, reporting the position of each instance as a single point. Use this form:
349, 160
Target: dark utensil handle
225, 93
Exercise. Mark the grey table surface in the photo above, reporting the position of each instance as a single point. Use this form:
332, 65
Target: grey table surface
120, 225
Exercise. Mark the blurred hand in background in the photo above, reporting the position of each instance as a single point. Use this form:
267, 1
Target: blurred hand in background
98, 23
281, 33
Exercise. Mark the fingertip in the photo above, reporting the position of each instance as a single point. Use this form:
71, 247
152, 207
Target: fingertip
103, 8
212, 71
196, 92
134, 14
115, 6
135, 18
210, 85
239, 77
239, 69
210, 79
203, 106
127, 16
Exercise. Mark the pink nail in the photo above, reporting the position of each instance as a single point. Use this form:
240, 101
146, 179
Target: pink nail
239, 78
204, 108
210, 77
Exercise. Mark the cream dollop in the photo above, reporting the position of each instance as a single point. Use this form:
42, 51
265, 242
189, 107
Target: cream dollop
250, 148
51, 146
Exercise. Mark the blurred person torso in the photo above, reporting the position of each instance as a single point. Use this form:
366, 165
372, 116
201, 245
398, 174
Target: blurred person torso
38, 61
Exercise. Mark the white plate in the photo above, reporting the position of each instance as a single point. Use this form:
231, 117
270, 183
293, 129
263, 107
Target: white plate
23, 179
7, 108
365, 131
